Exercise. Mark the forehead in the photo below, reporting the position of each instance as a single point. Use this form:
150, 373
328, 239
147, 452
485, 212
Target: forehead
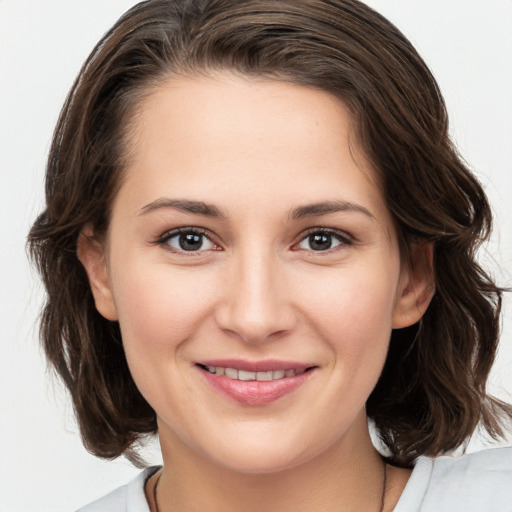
224, 108
212, 136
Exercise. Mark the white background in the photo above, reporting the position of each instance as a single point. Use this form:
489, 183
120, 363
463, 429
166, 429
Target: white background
43, 466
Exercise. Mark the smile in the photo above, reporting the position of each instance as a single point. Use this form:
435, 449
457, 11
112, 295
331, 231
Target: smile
233, 373
255, 384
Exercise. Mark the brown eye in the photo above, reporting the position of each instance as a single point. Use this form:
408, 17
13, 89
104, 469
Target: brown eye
322, 241
189, 241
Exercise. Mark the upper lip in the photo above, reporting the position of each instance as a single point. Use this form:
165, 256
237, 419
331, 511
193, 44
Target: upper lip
256, 366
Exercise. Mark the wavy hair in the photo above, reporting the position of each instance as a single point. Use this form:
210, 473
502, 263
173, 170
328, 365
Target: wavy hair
432, 393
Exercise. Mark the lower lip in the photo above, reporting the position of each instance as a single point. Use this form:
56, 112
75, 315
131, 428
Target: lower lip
254, 392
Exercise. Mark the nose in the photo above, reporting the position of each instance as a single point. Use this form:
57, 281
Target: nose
256, 304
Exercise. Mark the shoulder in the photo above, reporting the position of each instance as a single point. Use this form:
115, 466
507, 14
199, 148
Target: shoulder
494, 465
474, 482
128, 498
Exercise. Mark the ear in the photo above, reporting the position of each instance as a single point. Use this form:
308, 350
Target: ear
91, 253
416, 287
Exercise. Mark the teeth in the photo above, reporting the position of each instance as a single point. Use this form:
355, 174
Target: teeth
230, 372
243, 375
264, 375
233, 373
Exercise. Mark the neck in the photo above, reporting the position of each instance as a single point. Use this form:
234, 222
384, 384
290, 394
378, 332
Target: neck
347, 477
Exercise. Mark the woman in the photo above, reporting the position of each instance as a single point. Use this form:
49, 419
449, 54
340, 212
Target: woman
257, 237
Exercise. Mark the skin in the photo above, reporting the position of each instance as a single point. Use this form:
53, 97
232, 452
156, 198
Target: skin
256, 290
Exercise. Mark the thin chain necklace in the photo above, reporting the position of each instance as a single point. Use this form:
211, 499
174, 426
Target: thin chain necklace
382, 497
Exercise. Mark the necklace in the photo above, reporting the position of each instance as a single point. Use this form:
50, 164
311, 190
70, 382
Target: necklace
384, 483
154, 493
382, 497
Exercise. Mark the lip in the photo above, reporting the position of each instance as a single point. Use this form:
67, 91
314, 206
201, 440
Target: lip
255, 393
256, 366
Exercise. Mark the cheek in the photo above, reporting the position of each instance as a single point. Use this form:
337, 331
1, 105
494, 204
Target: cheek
160, 310
354, 307
160, 306
352, 315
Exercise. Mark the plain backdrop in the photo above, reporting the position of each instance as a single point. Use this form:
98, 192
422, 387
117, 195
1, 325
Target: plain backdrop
43, 466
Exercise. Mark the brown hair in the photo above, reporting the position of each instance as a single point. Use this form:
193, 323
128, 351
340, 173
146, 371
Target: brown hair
432, 392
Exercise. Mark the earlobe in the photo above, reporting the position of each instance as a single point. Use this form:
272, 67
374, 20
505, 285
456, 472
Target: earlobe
416, 287
91, 253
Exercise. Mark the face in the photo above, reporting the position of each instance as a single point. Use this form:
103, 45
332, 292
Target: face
254, 270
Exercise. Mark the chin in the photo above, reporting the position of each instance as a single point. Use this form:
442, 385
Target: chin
262, 455
262, 463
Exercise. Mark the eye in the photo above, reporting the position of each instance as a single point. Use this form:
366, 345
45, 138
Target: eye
323, 240
188, 240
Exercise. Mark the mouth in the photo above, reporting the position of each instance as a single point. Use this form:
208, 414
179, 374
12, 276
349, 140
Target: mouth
245, 375
255, 384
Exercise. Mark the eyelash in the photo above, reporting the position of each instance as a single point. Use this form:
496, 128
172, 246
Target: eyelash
169, 235
343, 238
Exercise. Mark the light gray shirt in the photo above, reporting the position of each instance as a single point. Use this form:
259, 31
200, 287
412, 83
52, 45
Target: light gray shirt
478, 482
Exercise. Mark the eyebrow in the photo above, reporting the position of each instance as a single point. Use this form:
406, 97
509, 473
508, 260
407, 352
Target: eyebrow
326, 207
210, 210
184, 205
